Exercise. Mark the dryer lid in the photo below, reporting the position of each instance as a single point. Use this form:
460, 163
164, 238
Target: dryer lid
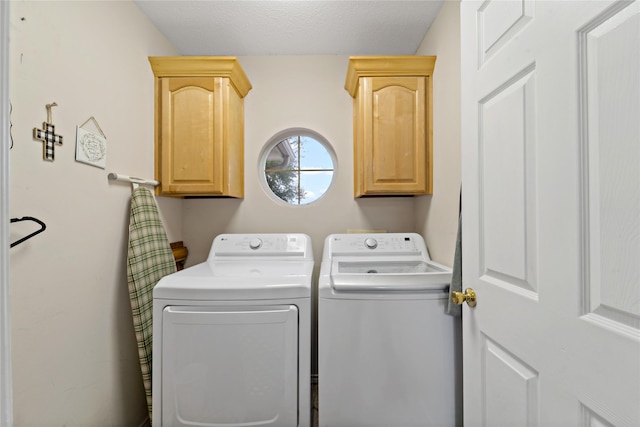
233, 281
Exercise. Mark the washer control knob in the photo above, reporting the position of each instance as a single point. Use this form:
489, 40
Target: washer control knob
255, 243
371, 243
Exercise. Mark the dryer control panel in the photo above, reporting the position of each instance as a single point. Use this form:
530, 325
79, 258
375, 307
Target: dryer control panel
248, 245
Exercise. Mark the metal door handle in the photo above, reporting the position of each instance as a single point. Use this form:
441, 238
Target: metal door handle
469, 296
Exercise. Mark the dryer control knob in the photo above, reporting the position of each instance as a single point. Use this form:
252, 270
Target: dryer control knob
371, 243
255, 243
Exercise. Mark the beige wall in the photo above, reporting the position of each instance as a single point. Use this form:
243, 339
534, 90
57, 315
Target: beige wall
295, 91
308, 91
74, 352
74, 355
437, 215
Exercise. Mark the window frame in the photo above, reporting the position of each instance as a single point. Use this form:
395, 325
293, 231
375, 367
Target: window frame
297, 133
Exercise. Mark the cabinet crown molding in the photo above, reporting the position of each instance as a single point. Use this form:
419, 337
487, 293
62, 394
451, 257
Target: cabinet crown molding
388, 66
202, 66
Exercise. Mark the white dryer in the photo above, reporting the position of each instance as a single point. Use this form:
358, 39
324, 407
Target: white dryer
386, 352
231, 336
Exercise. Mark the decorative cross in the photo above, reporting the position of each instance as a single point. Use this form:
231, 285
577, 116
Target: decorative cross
48, 135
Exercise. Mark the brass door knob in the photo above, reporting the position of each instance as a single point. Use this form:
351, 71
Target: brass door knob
469, 296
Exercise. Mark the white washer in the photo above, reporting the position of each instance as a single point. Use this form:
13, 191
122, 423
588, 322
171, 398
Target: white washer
231, 336
385, 344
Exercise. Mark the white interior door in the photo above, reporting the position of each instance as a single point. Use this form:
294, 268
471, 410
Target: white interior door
551, 212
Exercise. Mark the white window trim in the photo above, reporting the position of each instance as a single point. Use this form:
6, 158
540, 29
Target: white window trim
273, 141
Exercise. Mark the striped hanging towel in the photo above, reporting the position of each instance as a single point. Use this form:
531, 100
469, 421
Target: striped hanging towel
149, 258
456, 274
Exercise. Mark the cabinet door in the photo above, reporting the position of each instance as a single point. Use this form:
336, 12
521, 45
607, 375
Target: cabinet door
191, 134
393, 139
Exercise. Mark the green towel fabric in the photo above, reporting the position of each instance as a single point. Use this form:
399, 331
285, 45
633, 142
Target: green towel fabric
149, 258
456, 274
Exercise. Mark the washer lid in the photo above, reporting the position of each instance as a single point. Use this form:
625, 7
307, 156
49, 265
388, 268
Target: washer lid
388, 275
238, 280
380, 263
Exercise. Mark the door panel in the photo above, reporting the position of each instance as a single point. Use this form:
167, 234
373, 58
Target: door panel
230, 366
396, 141
610, 165
191, 134
511, 388
551, 212
499, 22
395, 134
507, 182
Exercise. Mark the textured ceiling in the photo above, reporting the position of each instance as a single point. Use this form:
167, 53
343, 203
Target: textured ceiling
307, 27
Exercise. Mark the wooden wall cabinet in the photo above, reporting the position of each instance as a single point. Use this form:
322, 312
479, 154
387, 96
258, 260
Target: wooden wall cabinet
199, 125
392, 124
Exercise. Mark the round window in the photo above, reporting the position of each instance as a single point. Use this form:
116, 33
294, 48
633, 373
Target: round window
297, 166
